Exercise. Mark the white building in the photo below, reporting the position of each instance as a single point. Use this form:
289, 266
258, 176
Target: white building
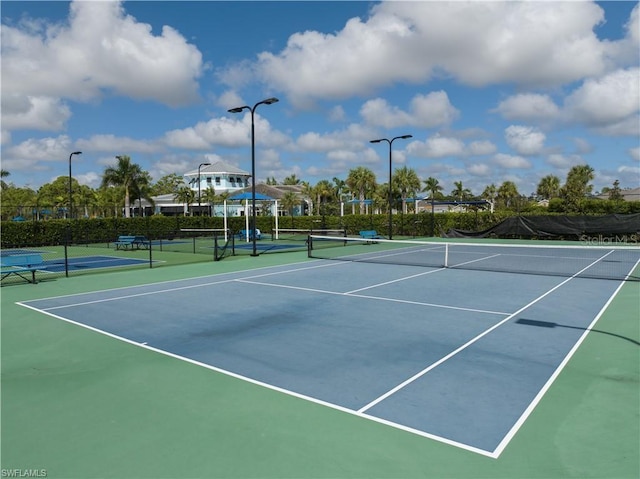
224, 178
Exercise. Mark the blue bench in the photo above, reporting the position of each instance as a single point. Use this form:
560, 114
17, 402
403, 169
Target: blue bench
242, 234
21, 263
369, 234
130, 241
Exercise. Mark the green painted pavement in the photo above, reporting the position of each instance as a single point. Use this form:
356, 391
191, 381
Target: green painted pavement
80, 404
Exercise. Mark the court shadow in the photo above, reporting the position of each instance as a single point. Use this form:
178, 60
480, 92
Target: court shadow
549, 324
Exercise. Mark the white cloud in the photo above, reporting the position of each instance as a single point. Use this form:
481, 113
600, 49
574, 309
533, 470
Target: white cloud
479, 169
564, 162
609, 103
480, 148
100, 48
425, 111
528, 107
91, 179
36, 113
337, 114
525, 140
351, 138
476, 43
437, 147
511, 161
225, 131
119, 145
36, 154
230, 99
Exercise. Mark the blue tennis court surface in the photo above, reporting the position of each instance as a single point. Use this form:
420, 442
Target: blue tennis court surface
91, 262
455, 356
18, 251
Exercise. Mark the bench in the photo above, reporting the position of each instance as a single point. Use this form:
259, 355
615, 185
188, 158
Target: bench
130, 241
369, 234
242, 234
21, 263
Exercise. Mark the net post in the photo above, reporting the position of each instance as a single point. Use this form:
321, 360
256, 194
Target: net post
309, 246
446, 255
215, 247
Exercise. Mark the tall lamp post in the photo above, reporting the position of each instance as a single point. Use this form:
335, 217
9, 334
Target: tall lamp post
403, 137
239, 109
199, 181
70, 193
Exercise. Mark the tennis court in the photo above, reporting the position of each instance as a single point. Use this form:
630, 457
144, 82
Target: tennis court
442, 355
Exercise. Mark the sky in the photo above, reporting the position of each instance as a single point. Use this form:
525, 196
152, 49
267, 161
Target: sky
490, 91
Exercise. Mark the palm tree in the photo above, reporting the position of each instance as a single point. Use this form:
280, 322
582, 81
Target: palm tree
549, 187
141, 188
323, 190
490, 194
186, 196
361, 181
577, 186
124, 174
460, 193
209, 197
292, 180
407, 182
289, 202
507, 192
3, 174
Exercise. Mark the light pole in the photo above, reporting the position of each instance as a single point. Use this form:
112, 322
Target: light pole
70, 193
199, 181
239, 109
403, 137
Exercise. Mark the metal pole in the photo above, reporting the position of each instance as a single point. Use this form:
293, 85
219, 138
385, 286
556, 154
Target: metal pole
403, 137
390, 193
199, 181
268, 101
252, 230
70, 191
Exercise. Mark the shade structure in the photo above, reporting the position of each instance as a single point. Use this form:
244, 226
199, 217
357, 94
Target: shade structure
247, 196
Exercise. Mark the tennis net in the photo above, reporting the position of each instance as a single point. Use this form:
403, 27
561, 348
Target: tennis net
585, 261
301, 234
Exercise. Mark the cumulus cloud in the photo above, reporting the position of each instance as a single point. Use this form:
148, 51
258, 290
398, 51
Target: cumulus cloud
610, 103
480, 148
634, 153
525, 140
511, 161
437, 147
477, 43
34, 112
528, 107
479, 169
224, 131
425, 111
111, 143
35, 154
100, 48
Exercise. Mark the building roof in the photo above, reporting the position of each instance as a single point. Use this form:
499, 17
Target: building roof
632, 194
219, 167
275, 191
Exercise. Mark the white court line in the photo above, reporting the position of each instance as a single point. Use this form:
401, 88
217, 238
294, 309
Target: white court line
395, 280
165, 290
527, 412
378, 298
453, 353
360, 413
256, 382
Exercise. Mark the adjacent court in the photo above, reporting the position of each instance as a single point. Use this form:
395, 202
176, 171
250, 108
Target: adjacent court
460, 356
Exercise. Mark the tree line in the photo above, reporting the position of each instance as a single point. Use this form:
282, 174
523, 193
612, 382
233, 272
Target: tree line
126, 182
